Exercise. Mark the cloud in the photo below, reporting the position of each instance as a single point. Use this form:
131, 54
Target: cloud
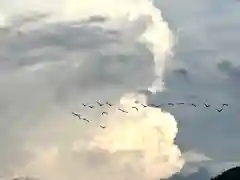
96, 19
206, 36
183, 74
65, 59
201, 174
156, 34
145, 150
191, 156
231, 71
61, 59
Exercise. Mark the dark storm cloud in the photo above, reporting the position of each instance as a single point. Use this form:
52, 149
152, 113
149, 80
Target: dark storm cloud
208, 34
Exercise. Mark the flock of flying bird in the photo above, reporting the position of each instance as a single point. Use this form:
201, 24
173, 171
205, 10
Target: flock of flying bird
136, 108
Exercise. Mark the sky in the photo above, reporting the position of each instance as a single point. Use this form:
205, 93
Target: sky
55, 55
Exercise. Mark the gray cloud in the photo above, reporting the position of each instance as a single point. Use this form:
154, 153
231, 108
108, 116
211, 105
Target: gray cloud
182, 74
46, 73
96, 19
207, 35
19, 20
201, 174
232, 72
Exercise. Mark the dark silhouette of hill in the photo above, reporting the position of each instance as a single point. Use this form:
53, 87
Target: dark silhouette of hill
203, 174
230, 174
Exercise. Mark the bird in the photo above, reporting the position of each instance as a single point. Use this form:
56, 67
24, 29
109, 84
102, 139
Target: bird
104, 113
219, 110
102, 126
207, 105
85, 119
78, 115
122, 110
91, 107
84, 104
109, 104
99, 103
224, 104
160, 105
144, 105
181, 103
171, 104
135, 108
193, 105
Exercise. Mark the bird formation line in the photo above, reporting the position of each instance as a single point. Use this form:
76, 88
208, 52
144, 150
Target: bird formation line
105, 113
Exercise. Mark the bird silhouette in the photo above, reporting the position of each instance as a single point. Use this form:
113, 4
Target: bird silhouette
99, 103
109, 104
224, 104
160, 105
135, 108
219, 110
181, 103
104, 113
84, 104
102, 126
144, 105
193, 105
122, 110
85, 119
78, 115
170, 104
91, 106
207, 105
152, 105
